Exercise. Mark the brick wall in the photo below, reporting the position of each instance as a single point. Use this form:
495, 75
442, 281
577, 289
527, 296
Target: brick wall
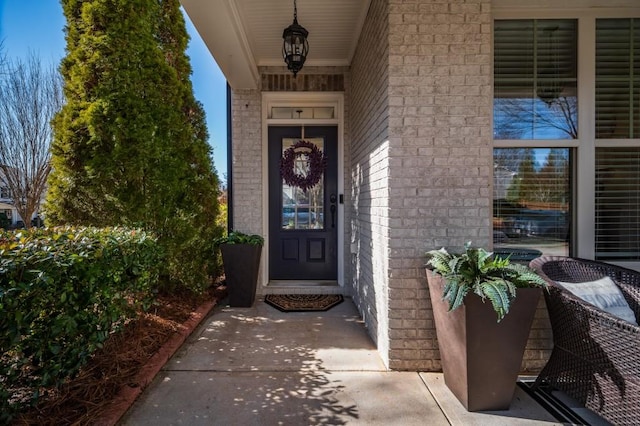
367, 100
540, 341
303, 82
247, 152
441, 161
441, 154
309, 79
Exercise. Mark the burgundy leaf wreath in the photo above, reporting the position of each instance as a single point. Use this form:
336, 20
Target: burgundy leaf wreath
316, 162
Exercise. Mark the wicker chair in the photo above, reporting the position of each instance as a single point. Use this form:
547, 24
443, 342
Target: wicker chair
596, 356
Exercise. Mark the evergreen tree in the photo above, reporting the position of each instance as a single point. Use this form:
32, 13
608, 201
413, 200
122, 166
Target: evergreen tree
528, 178
130, 144
202, 185
555, 174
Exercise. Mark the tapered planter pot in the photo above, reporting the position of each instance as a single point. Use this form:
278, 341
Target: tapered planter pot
481, 357
241, 265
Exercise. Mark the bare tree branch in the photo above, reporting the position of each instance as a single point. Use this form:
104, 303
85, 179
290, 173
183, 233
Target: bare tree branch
30, 95
3, 58
518, 118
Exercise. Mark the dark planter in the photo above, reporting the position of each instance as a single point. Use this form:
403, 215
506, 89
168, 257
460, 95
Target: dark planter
241, 264
481, 357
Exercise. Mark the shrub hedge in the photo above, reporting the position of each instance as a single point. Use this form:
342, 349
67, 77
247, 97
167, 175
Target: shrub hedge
63, 291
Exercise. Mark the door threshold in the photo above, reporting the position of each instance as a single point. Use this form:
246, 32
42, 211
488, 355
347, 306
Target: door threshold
302, 283
302, 287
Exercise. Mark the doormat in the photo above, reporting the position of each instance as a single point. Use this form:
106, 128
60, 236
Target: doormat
303, 302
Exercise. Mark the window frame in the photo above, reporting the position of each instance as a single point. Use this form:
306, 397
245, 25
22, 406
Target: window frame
582, 242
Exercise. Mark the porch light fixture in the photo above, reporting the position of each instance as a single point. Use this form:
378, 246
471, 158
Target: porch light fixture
295, 46
549, 85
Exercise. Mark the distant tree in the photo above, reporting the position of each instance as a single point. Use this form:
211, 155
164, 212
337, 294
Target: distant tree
30, 95
535, 183
509, 158
130, 144
525, 186
554, 176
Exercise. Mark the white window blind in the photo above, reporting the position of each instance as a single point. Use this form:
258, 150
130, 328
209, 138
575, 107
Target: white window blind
618, 203
618, 78
535, 79
617, 216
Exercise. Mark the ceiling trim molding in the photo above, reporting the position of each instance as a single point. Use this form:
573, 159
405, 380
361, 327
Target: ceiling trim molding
358, 30
240, 33
222, 33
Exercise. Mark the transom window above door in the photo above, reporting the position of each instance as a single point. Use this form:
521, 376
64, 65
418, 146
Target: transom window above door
302, 113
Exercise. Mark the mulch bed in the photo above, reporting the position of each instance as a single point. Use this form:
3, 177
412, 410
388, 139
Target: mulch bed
89, 396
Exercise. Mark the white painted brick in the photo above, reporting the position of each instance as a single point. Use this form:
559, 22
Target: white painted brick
447, 131
420, 161
247, 179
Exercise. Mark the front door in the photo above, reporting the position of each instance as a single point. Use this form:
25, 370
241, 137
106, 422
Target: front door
303, 222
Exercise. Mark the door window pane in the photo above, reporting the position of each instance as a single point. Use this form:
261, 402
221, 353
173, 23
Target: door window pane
531, 193
618, 204
535, 79
618, 78
303, 209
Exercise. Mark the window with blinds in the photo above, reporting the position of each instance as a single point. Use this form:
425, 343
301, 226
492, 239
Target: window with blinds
618, 204
532, 201
535, 79
617, 197
618, 78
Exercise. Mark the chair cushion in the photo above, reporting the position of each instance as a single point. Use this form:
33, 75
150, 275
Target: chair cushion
604, 294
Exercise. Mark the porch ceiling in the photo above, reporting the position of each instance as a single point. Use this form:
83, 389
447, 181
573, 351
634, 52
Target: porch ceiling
243, 35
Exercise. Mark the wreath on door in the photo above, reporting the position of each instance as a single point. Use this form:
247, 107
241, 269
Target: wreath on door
316, 165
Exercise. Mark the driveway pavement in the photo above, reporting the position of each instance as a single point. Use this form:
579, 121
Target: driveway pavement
260, 366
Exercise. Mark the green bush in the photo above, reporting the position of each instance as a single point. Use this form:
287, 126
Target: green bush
63, 291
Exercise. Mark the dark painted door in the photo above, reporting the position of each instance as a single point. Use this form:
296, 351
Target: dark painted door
303, 224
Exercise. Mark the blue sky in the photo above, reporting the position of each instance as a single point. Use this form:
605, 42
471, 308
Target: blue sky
37, 26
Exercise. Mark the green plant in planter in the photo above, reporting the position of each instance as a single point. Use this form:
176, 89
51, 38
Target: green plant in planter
241, 262
478, 271
237, 237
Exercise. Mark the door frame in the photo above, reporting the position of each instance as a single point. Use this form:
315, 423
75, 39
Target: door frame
303, 99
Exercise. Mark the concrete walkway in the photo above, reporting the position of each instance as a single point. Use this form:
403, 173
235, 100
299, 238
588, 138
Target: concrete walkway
259, 366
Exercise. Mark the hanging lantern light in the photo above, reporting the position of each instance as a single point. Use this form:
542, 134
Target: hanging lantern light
549, 84
295, 46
